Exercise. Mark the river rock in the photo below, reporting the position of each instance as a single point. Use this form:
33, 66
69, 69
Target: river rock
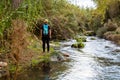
54, 58
116, 50
66, 54
107, 46
3, 64
58, 57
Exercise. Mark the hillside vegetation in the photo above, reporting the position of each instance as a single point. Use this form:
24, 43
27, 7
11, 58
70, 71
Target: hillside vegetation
64, 18
104, 20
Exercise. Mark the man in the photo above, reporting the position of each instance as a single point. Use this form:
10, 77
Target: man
46, 35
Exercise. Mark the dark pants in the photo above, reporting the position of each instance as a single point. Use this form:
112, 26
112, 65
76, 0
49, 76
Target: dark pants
45, 40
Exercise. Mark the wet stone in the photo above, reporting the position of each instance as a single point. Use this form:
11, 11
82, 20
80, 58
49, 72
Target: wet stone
66, 54
107, 46
116, 50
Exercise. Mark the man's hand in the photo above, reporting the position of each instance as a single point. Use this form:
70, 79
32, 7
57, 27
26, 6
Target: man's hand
50, 37
50, 33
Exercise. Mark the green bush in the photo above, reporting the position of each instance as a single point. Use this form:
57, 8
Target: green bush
78, 45
45, 58
75, 45
101, 31
111, 26
81, 45
81, 39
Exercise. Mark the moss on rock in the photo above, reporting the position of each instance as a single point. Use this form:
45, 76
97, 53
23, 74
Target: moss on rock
92, 38
74, 46
81, 39
78, 45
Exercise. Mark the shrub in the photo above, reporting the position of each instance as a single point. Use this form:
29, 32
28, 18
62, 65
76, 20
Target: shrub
118, 30
101, 31
89, 33
107, 34
81, 45
18, 39
81, 39
74, 45
111, 26
114, 37
78, 45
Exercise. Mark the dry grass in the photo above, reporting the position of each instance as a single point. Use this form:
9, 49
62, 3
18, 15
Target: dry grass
107, 29
18, 39
111, 26
21, 40
118, 30
107, 34
114, 37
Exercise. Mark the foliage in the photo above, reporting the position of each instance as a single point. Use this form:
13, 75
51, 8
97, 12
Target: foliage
35, 62
118, 30
12, 68
78, 45
105, 10
110, 26
63, 16
101, 31
81, 45
18, 39
45, 58
74, 45
81, 39
89, 33
107, 34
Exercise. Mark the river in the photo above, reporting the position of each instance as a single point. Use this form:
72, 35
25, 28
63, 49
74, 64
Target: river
98, 60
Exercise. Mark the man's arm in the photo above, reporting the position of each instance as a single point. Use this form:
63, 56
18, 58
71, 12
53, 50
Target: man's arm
50, 33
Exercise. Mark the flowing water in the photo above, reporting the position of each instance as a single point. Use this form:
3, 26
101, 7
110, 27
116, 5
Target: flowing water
98, 60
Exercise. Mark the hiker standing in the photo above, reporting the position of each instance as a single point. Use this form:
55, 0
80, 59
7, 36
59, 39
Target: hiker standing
46, 35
